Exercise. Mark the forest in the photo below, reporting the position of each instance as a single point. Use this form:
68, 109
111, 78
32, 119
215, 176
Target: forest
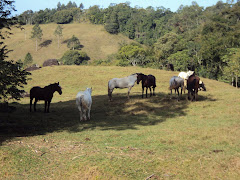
202, 39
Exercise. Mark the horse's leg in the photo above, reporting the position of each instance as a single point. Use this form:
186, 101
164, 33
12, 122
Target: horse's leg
150, 91
189, 93
48, 106
35, 103
30, 105
178, 93
129, 89
110, 94
89, 109
45, 107
80, 112
146, 91
142, 91
84, 114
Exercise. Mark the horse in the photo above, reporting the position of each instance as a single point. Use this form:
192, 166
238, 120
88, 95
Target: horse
185, 76
202, 86
170, 67
192, 87
126, 82
176, 82
45, 94
148, 81
84, 103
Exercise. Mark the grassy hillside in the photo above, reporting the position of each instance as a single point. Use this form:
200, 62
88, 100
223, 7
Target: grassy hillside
97, 43
125, 139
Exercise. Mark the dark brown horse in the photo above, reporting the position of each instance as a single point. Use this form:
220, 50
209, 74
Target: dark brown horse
192, 87
148, 81
45, 94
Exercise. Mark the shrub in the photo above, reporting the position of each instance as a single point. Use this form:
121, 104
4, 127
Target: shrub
74, 57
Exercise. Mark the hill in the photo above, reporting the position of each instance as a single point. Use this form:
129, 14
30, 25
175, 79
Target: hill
125, 139
96, 42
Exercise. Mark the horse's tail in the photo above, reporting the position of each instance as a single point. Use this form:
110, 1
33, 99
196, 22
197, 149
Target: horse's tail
79, 103
109, 91
154, 82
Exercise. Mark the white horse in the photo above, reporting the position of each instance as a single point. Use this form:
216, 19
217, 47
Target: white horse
185, 76
84, 103
126, 82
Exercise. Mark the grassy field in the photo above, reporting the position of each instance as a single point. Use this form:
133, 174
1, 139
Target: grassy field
125, 139
96, 42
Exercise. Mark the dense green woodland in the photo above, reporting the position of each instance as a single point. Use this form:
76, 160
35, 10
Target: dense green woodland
193, 37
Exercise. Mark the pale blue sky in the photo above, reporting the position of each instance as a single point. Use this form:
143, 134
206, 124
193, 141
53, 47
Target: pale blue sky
173, 5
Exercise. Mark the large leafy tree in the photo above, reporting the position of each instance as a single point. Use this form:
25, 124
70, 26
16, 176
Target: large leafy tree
37, 34
12, 77
72, 57
132, 54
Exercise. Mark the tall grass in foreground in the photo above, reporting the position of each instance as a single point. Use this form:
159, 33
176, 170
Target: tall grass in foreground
125, 139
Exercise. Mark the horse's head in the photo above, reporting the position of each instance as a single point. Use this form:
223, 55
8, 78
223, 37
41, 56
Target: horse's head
202, 86
58, 88
139, 77
89, 90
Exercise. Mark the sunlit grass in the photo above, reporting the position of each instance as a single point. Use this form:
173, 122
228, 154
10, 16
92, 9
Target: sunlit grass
125, 139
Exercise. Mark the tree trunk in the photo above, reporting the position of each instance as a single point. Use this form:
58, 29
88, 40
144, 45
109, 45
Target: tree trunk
36, 45
236, 81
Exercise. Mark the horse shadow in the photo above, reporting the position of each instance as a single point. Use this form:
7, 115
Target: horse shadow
120, 114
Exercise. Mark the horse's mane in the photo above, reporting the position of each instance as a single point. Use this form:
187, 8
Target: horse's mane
50, 86
134, 74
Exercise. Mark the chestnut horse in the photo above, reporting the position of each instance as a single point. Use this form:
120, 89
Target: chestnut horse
45, 94
192, 87
148, 81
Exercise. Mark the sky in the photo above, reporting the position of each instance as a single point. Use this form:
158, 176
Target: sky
173, 5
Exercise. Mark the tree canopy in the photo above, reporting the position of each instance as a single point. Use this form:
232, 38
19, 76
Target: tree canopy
12, 77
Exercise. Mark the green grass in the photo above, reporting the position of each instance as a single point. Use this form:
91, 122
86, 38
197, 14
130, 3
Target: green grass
125, 139
96, 42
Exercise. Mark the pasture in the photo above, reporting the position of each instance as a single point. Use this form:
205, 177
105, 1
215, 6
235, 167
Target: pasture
125, 139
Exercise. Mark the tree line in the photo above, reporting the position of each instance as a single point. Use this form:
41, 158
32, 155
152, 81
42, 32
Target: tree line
193, 37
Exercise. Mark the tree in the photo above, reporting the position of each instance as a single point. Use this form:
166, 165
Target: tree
58, 33
12, 77
74, 43
132, 54
72, 57
81, 6
232, 59
28, 59
112, 25
37, 34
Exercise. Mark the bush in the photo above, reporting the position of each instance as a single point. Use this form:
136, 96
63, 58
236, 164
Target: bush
74, 57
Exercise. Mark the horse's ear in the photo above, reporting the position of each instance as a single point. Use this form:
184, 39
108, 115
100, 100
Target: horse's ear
58, 83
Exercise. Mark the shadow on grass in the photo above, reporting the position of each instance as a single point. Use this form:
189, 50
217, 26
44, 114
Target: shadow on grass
121, 114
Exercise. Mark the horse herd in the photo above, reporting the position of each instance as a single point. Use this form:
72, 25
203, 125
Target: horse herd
185, 80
